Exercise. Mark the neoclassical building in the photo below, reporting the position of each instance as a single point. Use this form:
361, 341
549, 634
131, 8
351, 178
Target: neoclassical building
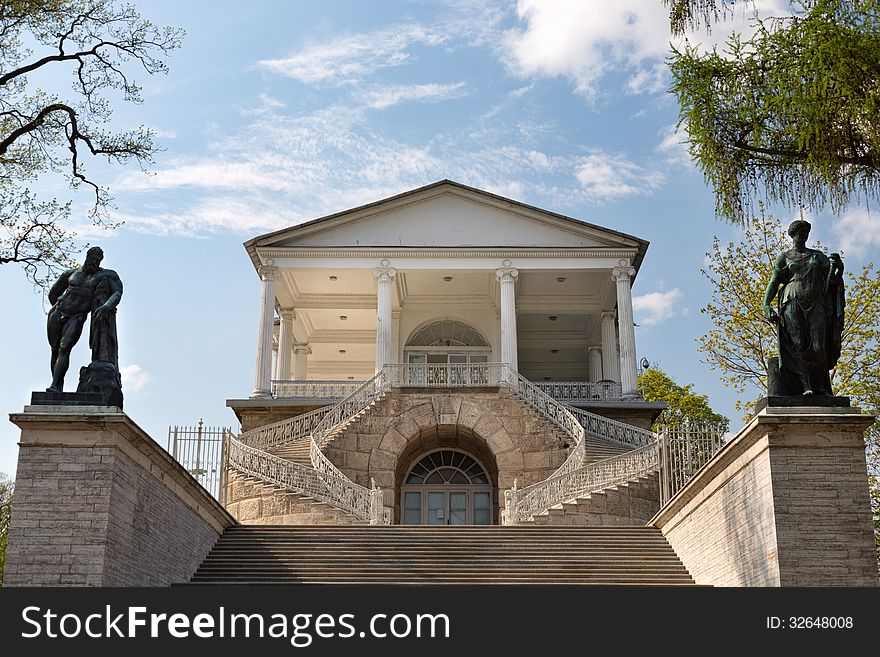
459, 340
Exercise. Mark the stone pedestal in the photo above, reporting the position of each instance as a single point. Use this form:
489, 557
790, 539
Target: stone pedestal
99, 503
785, 503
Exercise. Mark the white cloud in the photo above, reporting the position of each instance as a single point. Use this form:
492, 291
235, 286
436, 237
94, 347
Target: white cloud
656, 307
382, 97
350, 58
606, 176
134, 379
858, 230
583, 40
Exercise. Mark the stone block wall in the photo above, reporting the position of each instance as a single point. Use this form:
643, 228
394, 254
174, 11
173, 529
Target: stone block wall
511, 440
99, 503
785, 503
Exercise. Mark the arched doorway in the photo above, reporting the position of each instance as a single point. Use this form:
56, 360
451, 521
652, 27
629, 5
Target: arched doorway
446, 487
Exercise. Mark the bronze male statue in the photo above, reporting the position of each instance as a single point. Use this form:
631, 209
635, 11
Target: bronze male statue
809, 318
75, 294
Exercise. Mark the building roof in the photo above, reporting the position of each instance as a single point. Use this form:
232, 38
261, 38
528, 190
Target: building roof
573, 232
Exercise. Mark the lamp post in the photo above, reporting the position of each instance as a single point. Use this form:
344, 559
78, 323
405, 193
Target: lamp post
643, 366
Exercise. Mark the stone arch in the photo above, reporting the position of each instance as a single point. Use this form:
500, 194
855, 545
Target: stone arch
420, 422
449, 437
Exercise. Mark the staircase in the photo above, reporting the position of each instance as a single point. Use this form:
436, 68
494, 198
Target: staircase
594, 556
293, 454
631, 503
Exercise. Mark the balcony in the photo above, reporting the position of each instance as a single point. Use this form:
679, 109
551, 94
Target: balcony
443, 375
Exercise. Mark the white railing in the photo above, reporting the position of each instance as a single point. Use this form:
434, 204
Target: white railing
322, 486
444, 375
523, 503
284, 431
684, 449
540, 401
324, 390
613, 430
581, 391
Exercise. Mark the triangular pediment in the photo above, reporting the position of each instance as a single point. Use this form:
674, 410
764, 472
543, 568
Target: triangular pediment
447, 214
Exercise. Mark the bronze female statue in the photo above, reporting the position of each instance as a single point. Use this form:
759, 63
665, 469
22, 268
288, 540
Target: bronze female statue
809, 319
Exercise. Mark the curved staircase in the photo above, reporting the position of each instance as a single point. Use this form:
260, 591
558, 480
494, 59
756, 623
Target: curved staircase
290, 455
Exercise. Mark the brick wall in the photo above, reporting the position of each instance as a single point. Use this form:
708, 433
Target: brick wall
785, 503
99, 503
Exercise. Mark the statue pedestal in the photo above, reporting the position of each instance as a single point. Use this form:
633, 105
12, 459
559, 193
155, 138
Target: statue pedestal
800, 401
67, 399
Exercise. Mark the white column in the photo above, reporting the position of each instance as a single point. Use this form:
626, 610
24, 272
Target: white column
263, 371
301, 361
629, 380
610, 361
285, 344
595, 360
384, 275
507, 275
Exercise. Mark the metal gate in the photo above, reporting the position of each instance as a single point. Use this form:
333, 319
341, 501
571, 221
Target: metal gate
201, 450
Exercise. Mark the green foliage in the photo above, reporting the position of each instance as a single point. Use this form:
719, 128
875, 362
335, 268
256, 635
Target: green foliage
48, 138
684, 406
793, 112
6, 489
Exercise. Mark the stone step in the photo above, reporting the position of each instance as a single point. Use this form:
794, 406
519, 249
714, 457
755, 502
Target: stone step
443, 555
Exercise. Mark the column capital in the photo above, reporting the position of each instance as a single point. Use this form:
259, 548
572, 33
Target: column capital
384, 272
287, 314
623, 273
595, 348
505, 273
268, 272
302, 349
608, 315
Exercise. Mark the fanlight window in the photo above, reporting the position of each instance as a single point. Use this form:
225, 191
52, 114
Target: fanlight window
447, 333
447, 467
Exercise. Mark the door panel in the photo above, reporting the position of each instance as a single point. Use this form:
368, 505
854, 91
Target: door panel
458, 508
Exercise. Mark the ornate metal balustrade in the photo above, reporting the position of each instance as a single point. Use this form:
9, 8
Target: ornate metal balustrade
684, 449
325, 486
284, 431
523, 503
444, 375
581, 391
322, 390
613, 430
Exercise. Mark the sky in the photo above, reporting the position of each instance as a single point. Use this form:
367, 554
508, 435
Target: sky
274, 113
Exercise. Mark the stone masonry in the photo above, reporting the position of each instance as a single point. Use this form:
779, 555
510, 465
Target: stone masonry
99, 503
511, 440
785, 503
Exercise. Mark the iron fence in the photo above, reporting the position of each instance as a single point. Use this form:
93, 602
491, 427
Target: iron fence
201, 450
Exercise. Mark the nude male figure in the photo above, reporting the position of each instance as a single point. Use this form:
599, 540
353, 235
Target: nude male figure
75, 294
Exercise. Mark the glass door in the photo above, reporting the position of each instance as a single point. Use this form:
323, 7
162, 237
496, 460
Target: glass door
447, 508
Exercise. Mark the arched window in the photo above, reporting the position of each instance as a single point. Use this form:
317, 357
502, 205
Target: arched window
446, 487
447, 333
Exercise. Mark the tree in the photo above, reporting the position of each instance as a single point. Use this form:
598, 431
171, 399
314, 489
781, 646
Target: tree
793, 111
45, 135
684, 406
741, 340
6, 489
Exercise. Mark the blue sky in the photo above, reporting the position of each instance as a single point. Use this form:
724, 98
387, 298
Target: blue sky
275, 113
